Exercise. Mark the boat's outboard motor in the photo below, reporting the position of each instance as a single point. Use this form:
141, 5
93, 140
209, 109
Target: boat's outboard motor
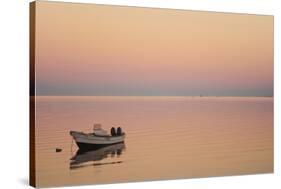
113, 131
119, 131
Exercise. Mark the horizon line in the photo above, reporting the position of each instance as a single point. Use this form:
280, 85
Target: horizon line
146, 96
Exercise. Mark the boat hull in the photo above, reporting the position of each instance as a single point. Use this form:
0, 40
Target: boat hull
92, 142
88, 147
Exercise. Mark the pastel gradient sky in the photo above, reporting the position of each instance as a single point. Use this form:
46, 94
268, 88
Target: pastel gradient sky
85, 49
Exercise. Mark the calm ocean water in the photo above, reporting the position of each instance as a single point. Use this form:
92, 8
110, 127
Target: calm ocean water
167, 138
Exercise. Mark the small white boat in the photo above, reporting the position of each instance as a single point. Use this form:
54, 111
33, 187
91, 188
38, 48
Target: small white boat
99, 138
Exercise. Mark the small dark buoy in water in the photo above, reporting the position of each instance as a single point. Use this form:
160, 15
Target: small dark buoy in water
58, 150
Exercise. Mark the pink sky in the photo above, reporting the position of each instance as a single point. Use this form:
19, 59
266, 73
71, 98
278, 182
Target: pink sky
84, 49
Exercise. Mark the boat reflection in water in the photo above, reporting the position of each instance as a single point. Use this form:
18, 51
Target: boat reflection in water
95, 157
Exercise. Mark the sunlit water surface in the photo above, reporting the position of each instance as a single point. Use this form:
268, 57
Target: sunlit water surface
166, 138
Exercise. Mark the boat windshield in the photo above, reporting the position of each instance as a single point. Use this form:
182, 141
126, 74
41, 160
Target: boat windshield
99, 131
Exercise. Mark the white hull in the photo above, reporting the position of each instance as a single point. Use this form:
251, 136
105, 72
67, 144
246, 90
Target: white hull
83, 138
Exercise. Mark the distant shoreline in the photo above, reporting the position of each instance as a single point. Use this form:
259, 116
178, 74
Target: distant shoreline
135, 96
